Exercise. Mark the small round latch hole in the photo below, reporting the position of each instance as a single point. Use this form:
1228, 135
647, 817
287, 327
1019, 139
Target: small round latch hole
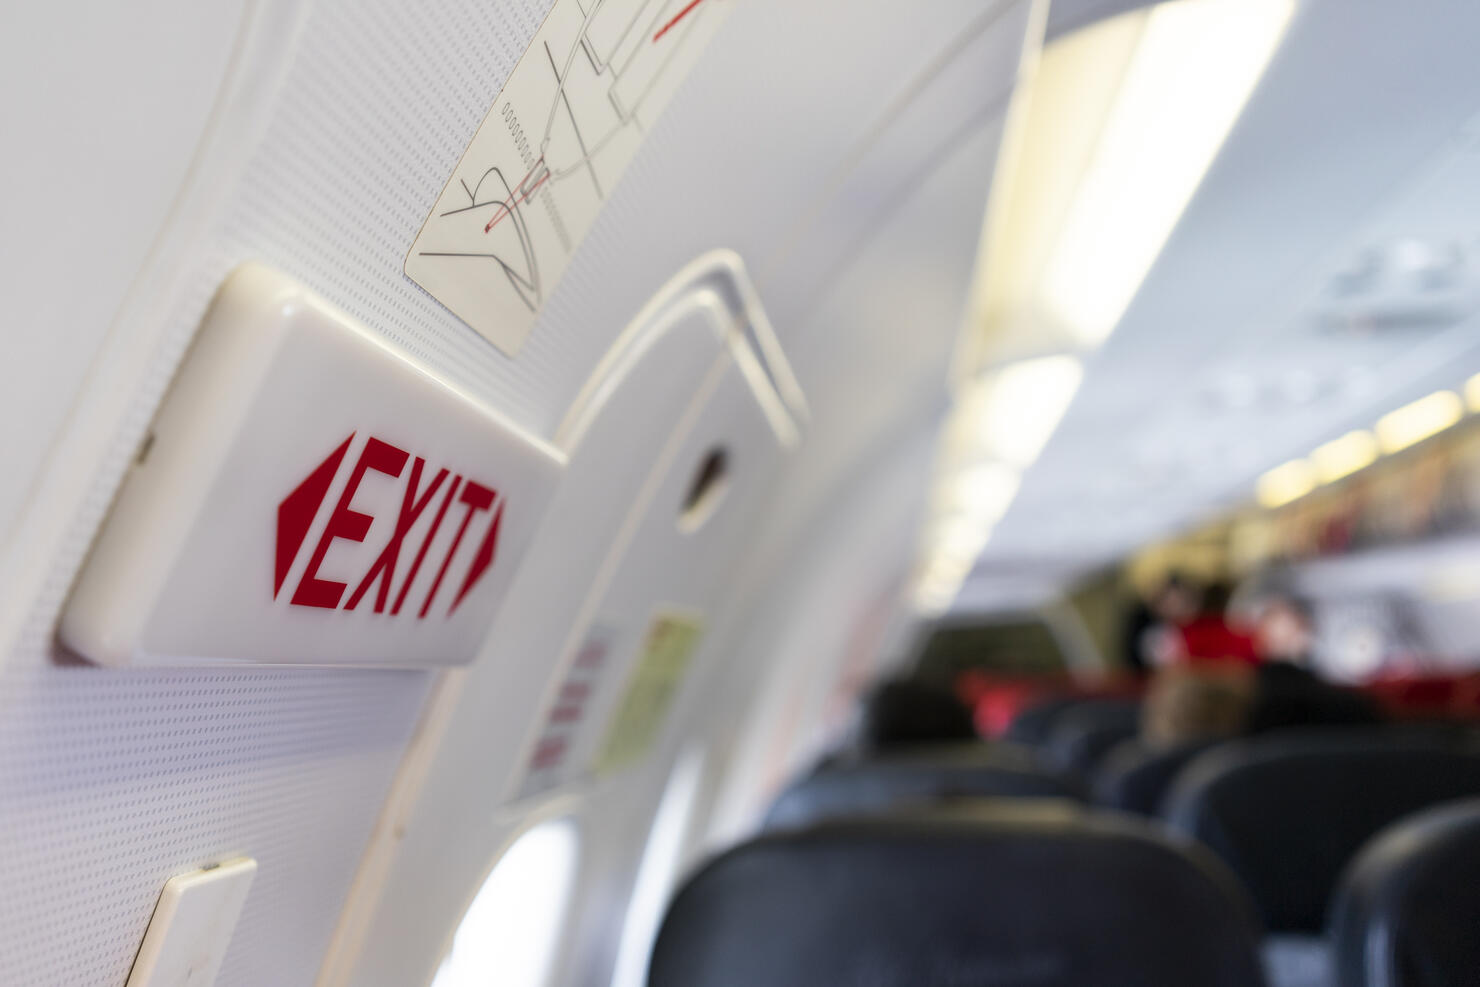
708, 487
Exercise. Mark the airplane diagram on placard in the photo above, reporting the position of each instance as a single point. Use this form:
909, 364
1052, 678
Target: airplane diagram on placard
559, 136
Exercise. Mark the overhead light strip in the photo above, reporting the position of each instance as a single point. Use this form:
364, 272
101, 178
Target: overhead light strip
1194, 68
1413, 423
1356, 450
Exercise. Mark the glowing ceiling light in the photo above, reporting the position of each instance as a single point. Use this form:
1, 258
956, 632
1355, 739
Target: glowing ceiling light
1020, 406
1472, 392
983, 491
1415, 422
955, 541
1344, 456
933, 600
959, 538
1193, 70
1285, 483
940, 583
946, 571
1006, 417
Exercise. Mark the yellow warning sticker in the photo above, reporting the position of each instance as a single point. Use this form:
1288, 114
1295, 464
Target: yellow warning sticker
639, 717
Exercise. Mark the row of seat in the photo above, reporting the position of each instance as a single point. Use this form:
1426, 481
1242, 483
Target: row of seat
981, 894
1287, 810
944, 864
1288, 813
859, 782
1133, 777
1047, 894
1408, 914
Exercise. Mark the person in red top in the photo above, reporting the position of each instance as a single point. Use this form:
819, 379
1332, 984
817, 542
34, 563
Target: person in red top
1211, 637
1198, 700
1191, 625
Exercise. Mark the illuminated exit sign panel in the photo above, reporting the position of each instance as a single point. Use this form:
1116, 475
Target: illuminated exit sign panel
309, 496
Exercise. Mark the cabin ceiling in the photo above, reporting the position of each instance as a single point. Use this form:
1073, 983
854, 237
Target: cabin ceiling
1324, 272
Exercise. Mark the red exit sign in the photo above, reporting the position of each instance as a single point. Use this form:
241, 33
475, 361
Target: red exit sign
310, 496
386, 584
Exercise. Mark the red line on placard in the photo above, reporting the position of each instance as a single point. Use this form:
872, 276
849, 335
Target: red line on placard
549, 752
566, 714
676, 18
507, 206
590, 657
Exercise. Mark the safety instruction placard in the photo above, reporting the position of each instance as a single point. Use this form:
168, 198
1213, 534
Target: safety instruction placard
638, 720
552, 761
569, 120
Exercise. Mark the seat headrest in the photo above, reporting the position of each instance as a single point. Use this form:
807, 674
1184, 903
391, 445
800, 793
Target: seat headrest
1083, 734
1033, 723
1133, 778
863, 783
1020, 894
1406, 912
903, 711
1288, 811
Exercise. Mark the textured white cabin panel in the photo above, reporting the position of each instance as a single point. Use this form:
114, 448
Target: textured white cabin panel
89, 165
111, 782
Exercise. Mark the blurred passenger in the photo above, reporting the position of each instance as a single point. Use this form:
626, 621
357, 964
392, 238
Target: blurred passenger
1155, 628
1138, 620
907, 711
1289, 692
1284, 628
1188, 703
1209, 636
1204, 700
1185, 621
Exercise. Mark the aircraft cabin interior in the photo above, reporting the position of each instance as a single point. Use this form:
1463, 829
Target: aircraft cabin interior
740, 493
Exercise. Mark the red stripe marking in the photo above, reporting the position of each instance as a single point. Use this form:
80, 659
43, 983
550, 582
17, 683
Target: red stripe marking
591, 657
565, 714
549, 752
507, 206
676, 18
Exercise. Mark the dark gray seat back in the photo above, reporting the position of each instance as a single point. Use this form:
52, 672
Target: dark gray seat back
1288, 812
1408, 910
861, 782
1018, 894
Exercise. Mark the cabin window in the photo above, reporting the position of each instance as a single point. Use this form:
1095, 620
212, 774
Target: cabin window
656, 874
511, 931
